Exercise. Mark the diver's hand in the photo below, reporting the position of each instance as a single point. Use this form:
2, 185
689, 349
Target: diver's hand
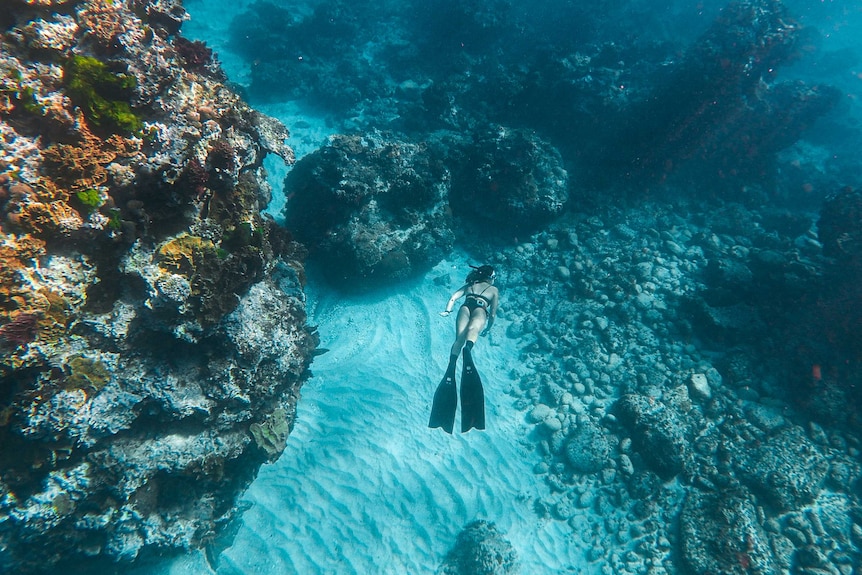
445, 313
485, 332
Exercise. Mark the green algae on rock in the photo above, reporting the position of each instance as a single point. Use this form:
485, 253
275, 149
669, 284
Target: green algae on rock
271, 434
102, 94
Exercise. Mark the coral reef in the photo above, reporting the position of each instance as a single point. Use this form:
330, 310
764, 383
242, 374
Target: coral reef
509, 181
373, 209
152, 321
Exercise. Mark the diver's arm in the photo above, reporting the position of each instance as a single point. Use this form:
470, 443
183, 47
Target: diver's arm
455, 297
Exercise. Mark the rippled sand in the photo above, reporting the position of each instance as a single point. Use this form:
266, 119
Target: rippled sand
364, 486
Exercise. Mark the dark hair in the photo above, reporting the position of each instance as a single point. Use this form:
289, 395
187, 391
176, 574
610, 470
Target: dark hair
481, 274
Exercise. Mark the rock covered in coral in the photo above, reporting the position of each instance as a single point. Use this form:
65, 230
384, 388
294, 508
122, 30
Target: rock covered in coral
786, 471
152, 322
509, 181
371, 208
587, 449
721, 533
658, 433
481, 550
719, 112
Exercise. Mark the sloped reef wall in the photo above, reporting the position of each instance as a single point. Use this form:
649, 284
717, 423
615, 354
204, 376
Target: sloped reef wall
153, 334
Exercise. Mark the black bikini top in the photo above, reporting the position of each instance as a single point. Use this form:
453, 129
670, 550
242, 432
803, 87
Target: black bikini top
479, 295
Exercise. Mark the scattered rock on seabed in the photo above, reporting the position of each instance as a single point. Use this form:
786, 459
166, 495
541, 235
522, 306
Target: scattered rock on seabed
152, 321
716, 461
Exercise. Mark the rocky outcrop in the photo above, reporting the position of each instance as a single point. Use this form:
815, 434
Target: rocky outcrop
373, 209
720, 533
658, 433
481, 550
509, 181
152, 322
718, 115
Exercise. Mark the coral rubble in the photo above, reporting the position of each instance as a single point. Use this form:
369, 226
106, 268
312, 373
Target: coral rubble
152, 322
481, 550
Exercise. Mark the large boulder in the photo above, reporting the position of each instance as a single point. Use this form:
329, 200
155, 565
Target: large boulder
509, 181
372, 209
719, 533
658, 433
587, 449
786, 470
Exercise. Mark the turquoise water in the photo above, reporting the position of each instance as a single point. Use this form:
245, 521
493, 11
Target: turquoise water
364, 486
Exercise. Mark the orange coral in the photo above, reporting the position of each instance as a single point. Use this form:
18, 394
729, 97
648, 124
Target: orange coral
185, 254
50, 218
43, 207
104, 24
16, 253
27, 313
82, 167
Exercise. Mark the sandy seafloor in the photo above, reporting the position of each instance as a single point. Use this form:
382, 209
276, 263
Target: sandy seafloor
364, 486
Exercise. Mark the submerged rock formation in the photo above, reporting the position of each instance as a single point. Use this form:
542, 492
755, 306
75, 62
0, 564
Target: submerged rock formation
720, 533
718, 114
509, 181
152, 323
373, 209
481, 550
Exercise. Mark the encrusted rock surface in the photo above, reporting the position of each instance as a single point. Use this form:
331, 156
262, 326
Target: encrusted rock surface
721, 533
509, 181
481, 550
152, 322
374, 208
786, 470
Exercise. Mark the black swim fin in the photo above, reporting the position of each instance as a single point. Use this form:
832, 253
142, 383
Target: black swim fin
472, 396
445, 401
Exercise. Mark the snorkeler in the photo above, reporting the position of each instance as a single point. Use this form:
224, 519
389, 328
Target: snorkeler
477, 312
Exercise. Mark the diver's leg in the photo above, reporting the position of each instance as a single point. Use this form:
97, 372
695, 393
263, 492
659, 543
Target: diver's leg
475, 325
472, 392
461, 325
